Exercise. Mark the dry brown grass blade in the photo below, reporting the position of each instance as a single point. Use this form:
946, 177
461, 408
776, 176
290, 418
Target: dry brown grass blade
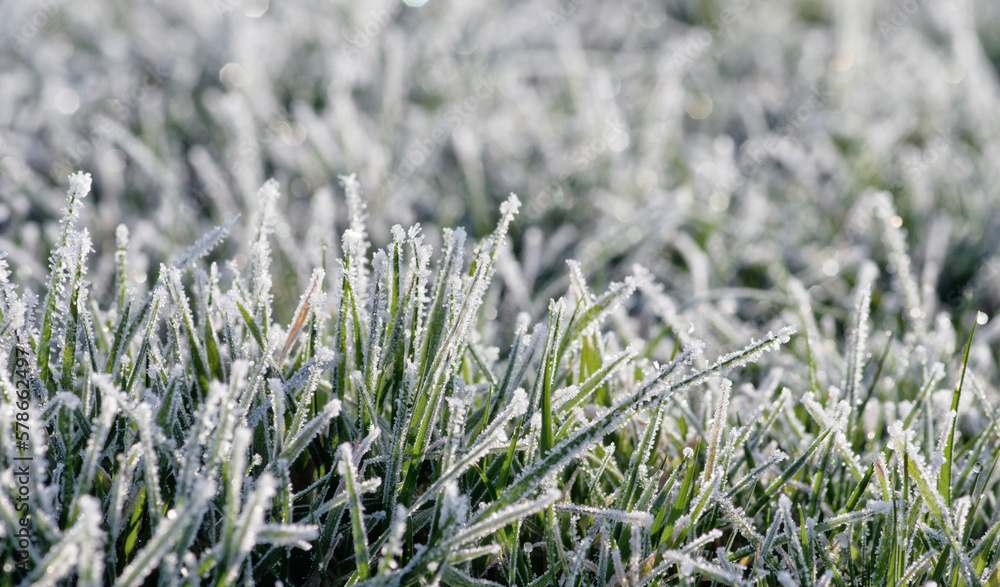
300, 319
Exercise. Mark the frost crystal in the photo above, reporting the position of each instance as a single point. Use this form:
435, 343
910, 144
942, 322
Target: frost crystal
199, 249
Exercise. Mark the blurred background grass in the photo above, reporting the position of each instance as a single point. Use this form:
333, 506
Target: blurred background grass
722, 145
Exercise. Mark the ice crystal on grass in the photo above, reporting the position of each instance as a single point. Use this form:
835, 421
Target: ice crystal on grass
717, 425
895, 238
405, 423
638, 518
176, 525
838, 424
201, 248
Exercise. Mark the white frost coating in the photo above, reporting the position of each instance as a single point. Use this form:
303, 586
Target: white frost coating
333, 407
899, 437
838, 424
962, 506
309, 374
269, 193
518, 405
355, 202
248, 525
635, 518
510, 207
653, 391
598, 309
454, 505
456, 434
99, 435
143, 419
574, 395
754, 350
297, 535
493, 437
353, 243
700, 503
895, 240
944, 425
260, 257
80, 549
562, 395
697, 543
393, 366
79, 186
202, 246
878, 507
776, 457
858, 337
786, 580
901, 441
64, 261
720, 420
485, 524
687, 565
358, 246
121, 236
635, 546
70, 400
398, 234
373, 434
168, 532
475, 290
393, 547
738, 517
277, 394
299, 439
349, 474
92, 540
792, 530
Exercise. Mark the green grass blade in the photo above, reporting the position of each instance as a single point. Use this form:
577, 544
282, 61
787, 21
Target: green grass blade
944, 481
790, 472
349, 473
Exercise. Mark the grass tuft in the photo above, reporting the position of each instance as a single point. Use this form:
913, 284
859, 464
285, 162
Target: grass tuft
376, 435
